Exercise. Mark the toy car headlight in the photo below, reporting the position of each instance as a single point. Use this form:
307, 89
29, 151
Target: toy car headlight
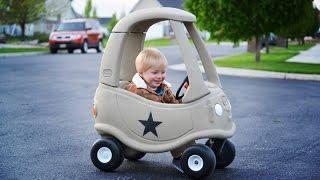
218, 109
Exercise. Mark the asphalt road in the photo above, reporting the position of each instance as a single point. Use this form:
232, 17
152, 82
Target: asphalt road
46, 129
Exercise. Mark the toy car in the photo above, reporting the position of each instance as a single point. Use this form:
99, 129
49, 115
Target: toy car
131, 125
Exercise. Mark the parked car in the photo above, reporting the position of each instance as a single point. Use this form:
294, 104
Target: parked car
74, 34
3, 38
272, 40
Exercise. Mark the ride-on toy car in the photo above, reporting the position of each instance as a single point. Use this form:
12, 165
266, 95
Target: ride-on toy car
131, 125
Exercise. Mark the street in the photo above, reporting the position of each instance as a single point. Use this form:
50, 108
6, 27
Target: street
46, 127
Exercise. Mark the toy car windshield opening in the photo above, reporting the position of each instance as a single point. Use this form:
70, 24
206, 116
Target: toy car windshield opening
127, 40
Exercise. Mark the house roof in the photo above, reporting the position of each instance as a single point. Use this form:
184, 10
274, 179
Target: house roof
77, 15
169, 3
156, 3
104, 21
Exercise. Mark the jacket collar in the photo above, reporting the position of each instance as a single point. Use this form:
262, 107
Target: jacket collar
140, 83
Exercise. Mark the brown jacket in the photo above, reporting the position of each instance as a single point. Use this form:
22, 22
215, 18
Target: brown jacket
148, 93
139, 86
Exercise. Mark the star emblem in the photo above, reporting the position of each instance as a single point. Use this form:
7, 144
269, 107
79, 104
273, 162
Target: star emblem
150, 125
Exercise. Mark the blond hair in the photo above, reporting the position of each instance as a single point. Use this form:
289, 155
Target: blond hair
149, 58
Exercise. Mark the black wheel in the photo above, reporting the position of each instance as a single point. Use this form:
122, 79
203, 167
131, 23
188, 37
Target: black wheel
198, 161
84, 48
107, 154
53, 51
224, 150
70, 51
99, 48
133, 155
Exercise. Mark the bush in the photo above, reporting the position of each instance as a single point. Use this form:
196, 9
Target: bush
41, 37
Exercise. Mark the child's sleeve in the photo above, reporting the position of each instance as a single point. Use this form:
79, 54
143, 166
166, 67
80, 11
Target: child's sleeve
169, 97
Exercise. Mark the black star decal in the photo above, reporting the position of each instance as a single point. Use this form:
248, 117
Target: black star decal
150, 125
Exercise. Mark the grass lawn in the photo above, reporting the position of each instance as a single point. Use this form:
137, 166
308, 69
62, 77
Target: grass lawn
18, 50
157, 42
275, 61
150, 43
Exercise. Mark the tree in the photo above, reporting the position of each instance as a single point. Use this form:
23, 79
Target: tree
4, 8
244, 19
23, 12
305, 25
88, 9
112, 22
94, 13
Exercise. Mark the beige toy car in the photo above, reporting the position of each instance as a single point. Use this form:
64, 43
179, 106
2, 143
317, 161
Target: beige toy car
131, 125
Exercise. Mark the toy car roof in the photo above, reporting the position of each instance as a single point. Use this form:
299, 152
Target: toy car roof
140, 20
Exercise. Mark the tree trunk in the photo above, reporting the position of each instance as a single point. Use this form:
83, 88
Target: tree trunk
257, 49
23, 28
281, 42
266, 41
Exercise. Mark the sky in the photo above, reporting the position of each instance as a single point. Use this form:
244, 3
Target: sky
317, 4
105, 8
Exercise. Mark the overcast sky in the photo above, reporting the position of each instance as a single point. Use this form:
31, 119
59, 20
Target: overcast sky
105, 8
317, 4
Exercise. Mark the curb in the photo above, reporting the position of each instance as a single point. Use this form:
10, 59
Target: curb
266, 74
254, 73
21, 54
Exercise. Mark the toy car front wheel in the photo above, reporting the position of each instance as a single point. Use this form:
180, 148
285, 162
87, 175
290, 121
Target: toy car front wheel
224, 150
133, 155
198, 161
107, 154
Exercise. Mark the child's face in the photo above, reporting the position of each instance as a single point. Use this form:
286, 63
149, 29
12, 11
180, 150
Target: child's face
154, 77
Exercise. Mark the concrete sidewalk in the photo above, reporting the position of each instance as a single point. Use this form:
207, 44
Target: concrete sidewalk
311, 56
254, 73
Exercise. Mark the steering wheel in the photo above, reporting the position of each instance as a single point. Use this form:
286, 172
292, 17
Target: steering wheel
178, 96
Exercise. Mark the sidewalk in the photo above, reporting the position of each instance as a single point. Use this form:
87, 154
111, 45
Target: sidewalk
254, 73
5, 55
311, 56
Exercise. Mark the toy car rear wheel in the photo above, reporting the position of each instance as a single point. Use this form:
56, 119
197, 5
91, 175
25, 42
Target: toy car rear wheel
133, 155
107, 154
198, 161
224, 150
84, 48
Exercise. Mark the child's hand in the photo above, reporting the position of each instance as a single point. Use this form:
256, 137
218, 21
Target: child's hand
186, 85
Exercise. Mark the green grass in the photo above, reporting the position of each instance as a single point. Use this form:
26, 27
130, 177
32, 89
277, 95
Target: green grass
275, 61
157, 42
19, 50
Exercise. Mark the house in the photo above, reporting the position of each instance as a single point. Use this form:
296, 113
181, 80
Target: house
161, 29
55, 11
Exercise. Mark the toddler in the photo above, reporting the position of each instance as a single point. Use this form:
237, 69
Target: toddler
149, 82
